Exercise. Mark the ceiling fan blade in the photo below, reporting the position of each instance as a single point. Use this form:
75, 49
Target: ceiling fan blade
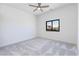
33, 6
34, 10
44, 6
41, 10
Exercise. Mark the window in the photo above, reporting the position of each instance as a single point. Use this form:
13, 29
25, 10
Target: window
53, 25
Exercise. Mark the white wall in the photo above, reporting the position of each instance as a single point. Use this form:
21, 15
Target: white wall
15, 25
68, 20
78, 29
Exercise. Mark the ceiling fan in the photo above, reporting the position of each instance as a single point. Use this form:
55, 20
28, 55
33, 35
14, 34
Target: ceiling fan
39, 7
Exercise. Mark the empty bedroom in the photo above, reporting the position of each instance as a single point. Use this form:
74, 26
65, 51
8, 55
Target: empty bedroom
38, 29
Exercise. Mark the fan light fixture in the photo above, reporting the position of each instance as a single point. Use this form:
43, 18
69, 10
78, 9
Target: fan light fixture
39, 7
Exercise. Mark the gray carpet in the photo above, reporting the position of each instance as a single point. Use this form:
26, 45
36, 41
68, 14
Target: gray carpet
39, 47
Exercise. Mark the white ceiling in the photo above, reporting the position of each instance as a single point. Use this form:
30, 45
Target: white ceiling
26, 7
